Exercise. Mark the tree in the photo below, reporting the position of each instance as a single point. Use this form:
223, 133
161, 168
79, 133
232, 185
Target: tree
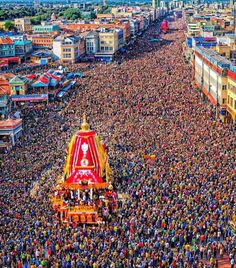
2, 14
72, 14
9, 25
93, 15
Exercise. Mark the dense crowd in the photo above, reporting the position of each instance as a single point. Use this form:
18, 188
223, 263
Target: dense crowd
180, 203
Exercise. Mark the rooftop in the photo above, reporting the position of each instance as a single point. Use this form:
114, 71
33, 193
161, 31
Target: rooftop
6, 41
22, 42
10, 123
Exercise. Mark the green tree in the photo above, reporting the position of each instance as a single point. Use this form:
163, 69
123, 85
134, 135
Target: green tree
72, 14
93, 15
2, 14
9, 25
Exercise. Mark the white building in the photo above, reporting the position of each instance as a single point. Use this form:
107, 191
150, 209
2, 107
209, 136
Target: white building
92, 43
211, 75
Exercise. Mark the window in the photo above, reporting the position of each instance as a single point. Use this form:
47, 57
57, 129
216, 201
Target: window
67, 55
66, 49
224, 87
224, 101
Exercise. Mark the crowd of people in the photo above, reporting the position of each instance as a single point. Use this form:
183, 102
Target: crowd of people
178, 204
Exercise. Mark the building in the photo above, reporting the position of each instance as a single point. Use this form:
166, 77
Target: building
121, 12
156, 3
18, 86
23, 47
92, 42
134, 27
4, 86
7, 47
231, 94
46, 28
107, 17
207, 30
2, 25
69, 48
211, 76
193, 29
23, 25
41, 41
5, 106
42, 57
10, 131
123, 24
108, 40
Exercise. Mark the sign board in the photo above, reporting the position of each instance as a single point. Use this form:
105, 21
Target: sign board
29, 98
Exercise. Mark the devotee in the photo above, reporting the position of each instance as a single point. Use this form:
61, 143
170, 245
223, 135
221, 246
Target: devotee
179, 203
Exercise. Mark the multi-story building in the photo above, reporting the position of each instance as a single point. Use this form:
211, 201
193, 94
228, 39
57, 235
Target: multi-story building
134, 26
41, 41
211, 76
23, 25
46, 28
121, 12
68, 48
23, 47
123, 24
193, 29
7, 47
4, 106
108, 40
231, 93
223, 50
92, 42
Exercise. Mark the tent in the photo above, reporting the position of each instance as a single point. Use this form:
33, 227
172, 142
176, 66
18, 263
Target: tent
39, 84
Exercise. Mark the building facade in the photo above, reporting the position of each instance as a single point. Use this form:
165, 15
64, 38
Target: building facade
7, 47
23, 47
92, 43
68, 48
211, 76
41, 41
17, 86
108, 40
231, 93
46, 28
23, 25
4, 106
216, 78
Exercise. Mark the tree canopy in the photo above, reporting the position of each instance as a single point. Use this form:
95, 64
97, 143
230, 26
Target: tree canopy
9, 25
72, 14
